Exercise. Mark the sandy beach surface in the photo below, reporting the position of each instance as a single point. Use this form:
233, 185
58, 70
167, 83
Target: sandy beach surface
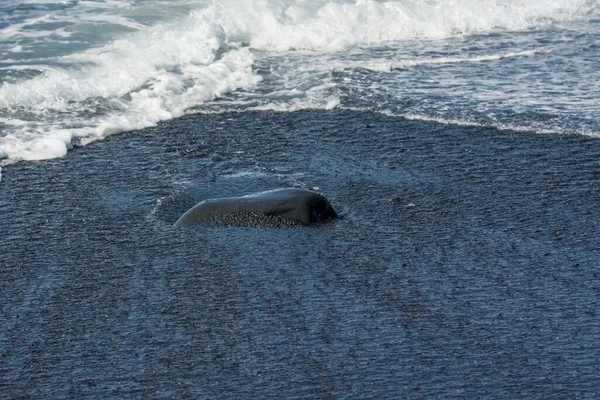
465, 264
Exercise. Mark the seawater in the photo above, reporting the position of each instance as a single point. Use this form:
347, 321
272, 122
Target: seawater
73, 72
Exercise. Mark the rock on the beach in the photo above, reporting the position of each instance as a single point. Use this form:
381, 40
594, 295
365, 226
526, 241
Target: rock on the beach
275, 208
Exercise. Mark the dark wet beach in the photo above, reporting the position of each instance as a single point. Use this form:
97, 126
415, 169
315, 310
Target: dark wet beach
465, 264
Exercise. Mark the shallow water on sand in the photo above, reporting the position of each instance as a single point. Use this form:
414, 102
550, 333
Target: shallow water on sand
480, 279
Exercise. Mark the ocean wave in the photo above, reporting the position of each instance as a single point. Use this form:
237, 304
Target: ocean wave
317, 25
156, 67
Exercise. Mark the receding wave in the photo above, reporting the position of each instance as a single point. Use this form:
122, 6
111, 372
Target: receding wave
155, 69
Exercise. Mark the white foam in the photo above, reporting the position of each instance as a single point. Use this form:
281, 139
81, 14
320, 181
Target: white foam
161, 71
140, 81
496, 125
300, 104
389, 66
39, 67
41, 148
245, 174
317, 25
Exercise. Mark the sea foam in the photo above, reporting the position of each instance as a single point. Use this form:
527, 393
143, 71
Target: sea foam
155, 69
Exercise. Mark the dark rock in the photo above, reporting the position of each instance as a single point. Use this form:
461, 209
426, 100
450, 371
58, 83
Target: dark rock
275, 208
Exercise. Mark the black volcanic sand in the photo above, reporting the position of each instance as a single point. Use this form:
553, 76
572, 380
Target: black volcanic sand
466, 263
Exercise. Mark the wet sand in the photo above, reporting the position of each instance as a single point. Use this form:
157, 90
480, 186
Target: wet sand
466, 263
